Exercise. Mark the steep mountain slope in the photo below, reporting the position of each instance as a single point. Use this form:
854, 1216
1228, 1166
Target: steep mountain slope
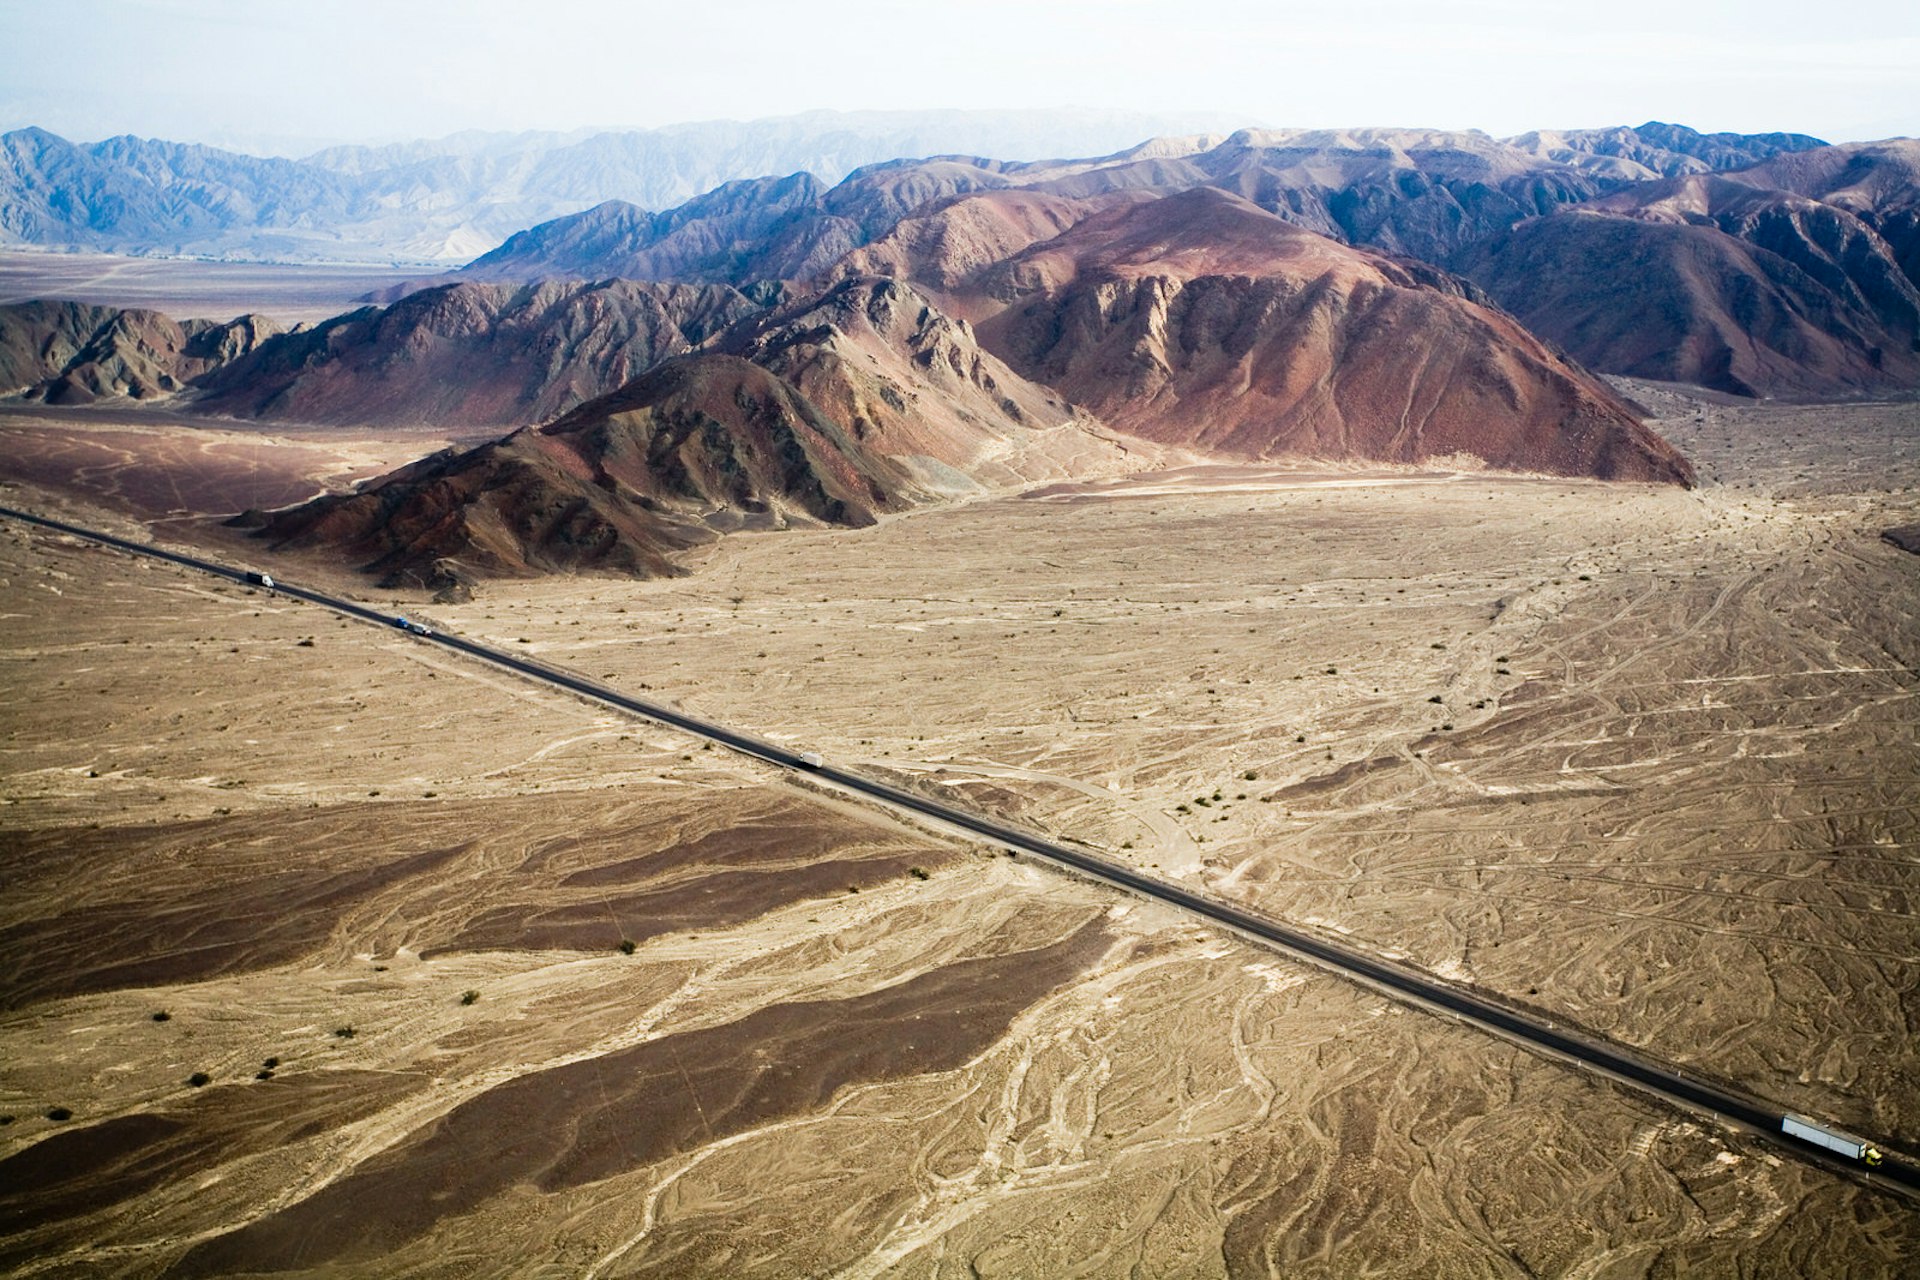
73, 353
1201, 320
945, 244
1682, 302
471, 355
831, 410
699, 445
1718, 280
138, 195
732, 234
1876, 182
792, 228
913, 385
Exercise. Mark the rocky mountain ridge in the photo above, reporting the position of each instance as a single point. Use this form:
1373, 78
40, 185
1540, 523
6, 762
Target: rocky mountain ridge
447, 200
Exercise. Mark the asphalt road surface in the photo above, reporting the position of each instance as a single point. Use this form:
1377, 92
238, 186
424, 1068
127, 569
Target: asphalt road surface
1400, 982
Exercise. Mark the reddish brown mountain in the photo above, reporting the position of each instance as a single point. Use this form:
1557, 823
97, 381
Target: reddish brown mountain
1717, 280
700, 445
1201, 320
74, 353
944, 245
1684, 301
472, 355
913, 385
861, 401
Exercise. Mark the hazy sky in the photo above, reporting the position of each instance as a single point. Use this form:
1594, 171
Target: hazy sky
289, 76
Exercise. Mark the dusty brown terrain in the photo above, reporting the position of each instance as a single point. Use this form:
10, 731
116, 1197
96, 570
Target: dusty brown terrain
1578, 743
146, 464
1668, 790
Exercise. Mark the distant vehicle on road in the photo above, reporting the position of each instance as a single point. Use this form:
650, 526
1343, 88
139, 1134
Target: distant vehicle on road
1819, 1135
811, 759
407, 624
261, 579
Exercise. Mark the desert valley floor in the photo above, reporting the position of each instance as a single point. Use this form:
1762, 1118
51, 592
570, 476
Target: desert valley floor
1640, 758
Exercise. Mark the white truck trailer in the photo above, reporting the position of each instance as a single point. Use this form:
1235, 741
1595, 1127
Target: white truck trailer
1841, 1144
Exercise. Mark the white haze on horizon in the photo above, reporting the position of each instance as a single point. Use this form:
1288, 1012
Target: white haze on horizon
288, 79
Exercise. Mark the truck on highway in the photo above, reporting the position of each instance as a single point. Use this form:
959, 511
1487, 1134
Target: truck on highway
811, 759
1844, 1144
407, 624
261, 580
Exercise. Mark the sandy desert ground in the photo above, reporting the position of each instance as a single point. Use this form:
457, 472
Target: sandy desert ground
185, 289
1643, 759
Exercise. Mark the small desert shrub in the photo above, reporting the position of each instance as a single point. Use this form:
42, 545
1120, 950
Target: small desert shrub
345, 1033
469, 997
199, 1079
271, 1063
161, 1015
627, 946
918, 873
59, 1113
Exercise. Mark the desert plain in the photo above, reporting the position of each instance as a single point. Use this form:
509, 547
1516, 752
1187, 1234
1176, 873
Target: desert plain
1640, 758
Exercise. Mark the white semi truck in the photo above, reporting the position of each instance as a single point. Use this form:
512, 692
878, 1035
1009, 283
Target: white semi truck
1843, 1144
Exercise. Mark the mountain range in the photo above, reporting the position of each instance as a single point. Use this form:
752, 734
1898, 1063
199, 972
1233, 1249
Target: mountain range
831, 411
1765, 265
783, 350
445, 200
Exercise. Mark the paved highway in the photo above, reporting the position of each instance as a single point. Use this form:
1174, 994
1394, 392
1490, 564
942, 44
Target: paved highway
1398, 981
